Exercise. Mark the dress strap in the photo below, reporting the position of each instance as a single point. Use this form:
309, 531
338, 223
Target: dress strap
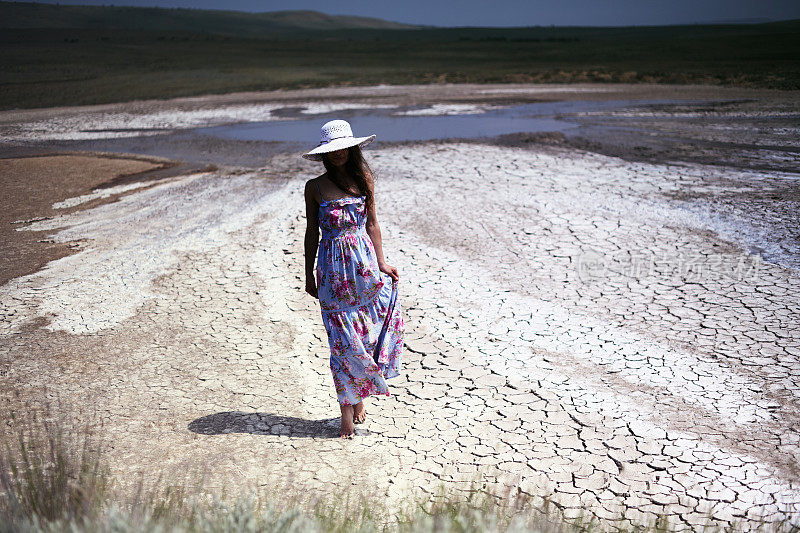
319, 191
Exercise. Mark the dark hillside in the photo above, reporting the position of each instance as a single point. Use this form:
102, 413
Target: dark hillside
22, 15
139, 53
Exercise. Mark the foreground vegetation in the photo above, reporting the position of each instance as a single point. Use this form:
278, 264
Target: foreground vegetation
53, 478
97, 60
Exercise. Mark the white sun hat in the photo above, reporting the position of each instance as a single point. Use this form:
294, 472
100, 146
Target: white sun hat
335, 135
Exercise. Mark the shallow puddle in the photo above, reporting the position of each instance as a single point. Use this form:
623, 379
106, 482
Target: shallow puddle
420, 123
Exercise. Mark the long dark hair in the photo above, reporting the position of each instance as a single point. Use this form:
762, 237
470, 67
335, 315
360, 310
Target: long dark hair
356, 167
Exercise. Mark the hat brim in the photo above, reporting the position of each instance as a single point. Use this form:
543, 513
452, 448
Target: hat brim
337, 144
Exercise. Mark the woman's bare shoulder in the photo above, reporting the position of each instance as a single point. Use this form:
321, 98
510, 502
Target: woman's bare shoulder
370, 180
313, 190
313, 183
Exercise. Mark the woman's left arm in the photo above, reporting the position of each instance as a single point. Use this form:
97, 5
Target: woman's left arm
374, 232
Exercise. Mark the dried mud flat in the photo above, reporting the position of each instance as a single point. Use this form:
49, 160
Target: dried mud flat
577, 325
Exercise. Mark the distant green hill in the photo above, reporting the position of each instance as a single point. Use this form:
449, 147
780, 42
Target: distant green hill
54, 55
29, 15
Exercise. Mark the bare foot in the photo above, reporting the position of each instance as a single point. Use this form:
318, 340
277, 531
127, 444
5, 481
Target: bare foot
359, 413
347, 430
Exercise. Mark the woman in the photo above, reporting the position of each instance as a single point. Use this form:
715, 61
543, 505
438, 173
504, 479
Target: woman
357, 290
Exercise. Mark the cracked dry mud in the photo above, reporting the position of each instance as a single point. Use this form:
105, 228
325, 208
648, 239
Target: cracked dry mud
571, 330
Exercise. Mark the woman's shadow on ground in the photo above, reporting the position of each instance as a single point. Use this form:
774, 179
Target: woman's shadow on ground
267, 424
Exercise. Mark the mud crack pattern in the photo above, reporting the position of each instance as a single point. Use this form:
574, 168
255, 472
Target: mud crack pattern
540, 355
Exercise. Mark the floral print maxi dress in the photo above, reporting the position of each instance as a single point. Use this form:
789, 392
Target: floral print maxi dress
355, 298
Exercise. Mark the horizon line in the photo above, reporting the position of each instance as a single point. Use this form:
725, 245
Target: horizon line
724, 22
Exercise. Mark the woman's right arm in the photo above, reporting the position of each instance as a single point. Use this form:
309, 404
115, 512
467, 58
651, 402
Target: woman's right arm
312, 238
